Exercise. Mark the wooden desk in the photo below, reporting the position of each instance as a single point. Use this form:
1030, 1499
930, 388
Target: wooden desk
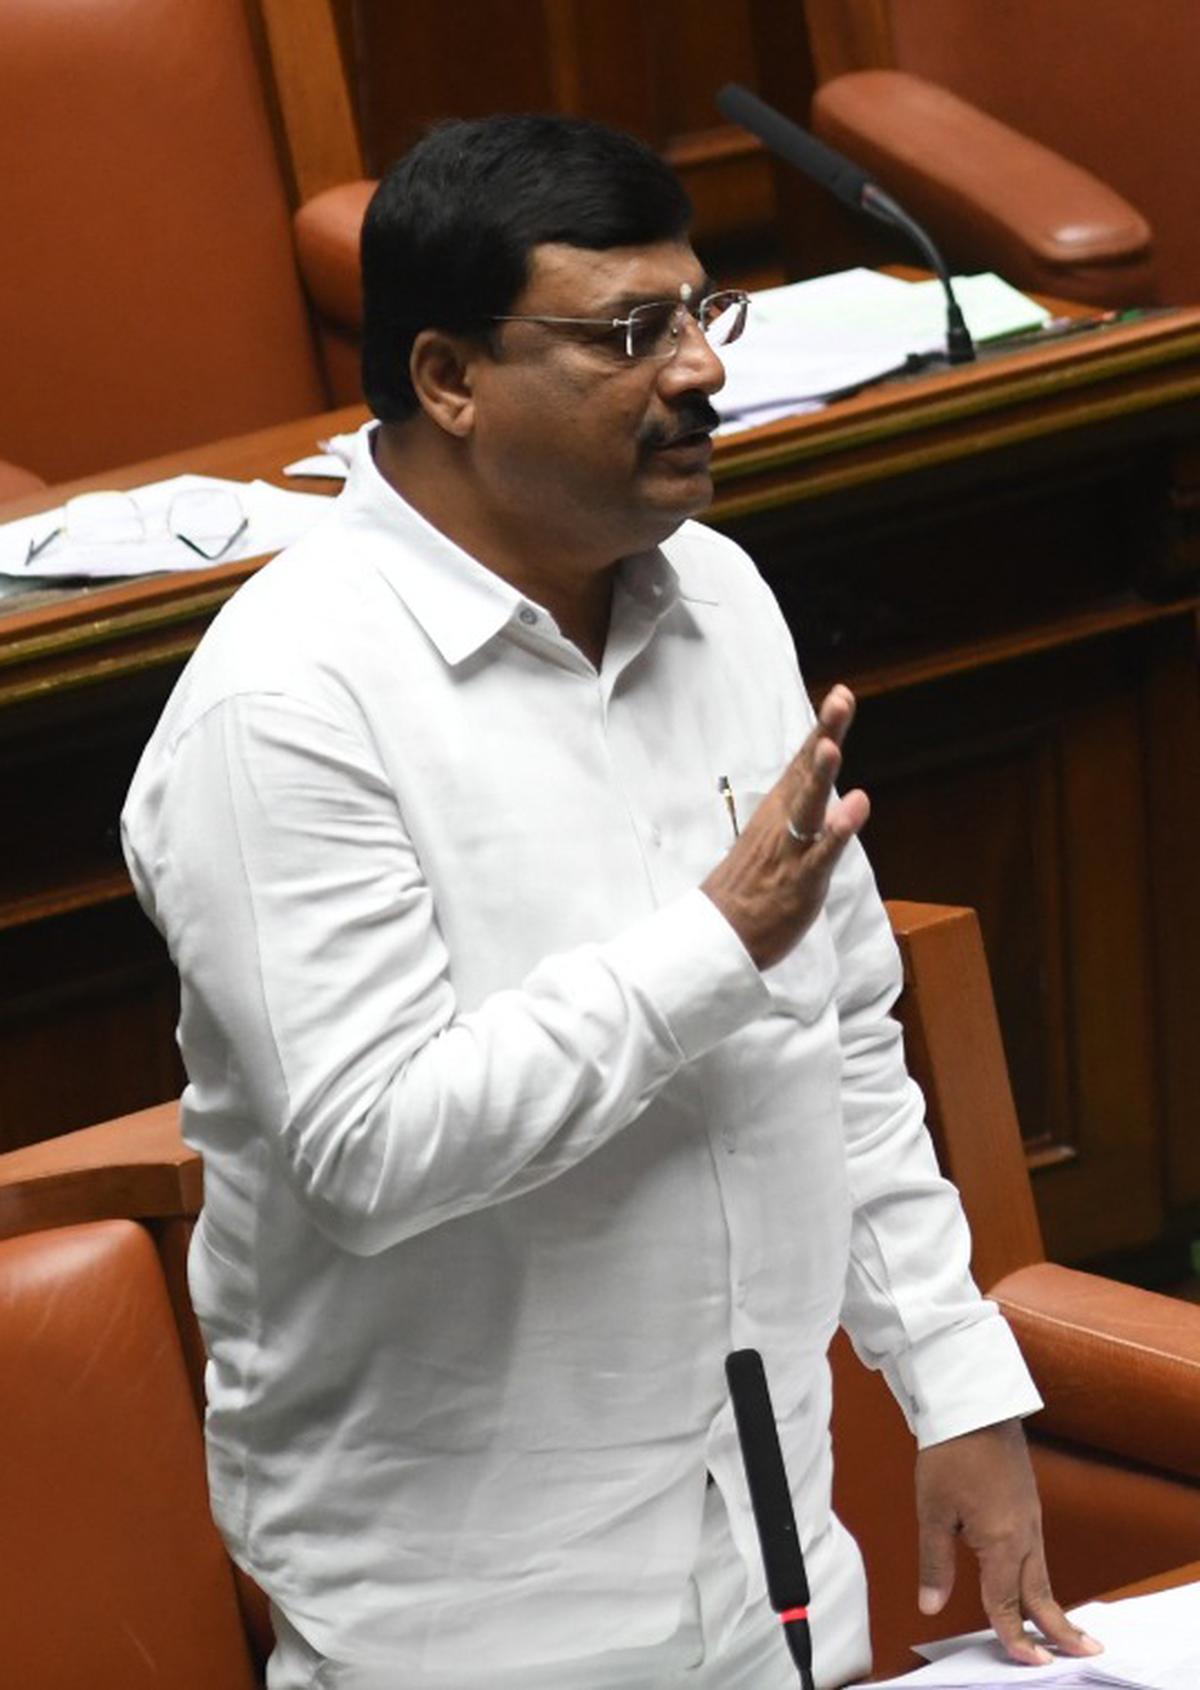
1161, 1581
1001, 559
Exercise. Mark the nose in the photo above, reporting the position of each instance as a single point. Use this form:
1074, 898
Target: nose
695, 364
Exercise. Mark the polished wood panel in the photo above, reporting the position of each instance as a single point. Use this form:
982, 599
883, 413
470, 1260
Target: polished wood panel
315, 109
848, 35
650, 66
1000, 558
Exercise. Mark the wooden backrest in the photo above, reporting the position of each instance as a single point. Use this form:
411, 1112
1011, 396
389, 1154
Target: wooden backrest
952, 1038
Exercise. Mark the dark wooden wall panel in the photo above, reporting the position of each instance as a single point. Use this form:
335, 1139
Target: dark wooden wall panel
650, 66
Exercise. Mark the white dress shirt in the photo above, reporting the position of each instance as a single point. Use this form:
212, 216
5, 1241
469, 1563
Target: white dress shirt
507, 1141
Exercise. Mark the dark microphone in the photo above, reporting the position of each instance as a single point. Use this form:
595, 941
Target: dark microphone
848, 183
766, 1477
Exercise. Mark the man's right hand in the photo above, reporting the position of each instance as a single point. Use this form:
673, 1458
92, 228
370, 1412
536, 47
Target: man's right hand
771, 886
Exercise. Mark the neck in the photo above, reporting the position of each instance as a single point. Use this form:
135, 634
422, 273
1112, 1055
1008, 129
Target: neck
552, 570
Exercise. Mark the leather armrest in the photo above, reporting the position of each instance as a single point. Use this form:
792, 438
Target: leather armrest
1119, 1368
136, 1167
989, 195
15, 481
327, 230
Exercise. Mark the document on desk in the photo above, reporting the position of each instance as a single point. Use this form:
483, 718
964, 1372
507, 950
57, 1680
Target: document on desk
1150, 1643
186, 522
812, 341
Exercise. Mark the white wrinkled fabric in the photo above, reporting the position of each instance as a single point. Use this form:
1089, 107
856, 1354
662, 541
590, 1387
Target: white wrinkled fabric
506, 1140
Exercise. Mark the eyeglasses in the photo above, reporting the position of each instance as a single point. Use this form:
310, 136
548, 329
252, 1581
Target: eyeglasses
207, 521
653, 331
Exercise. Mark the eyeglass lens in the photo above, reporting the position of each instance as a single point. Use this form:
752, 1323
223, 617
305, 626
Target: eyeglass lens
654, 330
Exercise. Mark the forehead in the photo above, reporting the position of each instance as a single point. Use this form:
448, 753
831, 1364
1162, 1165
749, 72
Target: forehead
578, 281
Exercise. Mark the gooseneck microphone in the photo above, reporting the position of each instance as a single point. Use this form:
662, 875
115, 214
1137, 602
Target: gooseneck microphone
771, 1500
849, 183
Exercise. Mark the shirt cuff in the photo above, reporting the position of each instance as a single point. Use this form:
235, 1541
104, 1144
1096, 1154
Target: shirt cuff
962, 1379
691, 965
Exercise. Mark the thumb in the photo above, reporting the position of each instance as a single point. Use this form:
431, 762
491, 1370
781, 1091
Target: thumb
936, 1559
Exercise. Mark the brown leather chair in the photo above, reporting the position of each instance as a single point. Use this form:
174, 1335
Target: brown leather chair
15, 481
1117, 1449
1047, 142
149, 291
114, 1576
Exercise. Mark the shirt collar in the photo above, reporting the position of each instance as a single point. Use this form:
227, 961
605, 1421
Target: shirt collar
458, 601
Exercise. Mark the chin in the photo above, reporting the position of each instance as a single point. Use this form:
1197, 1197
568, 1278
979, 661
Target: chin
688, 496
658, 523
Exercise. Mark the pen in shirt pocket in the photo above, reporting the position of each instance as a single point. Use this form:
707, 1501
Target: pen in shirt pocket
726, 791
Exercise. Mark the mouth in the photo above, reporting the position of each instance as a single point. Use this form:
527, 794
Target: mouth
689, 447
684, 439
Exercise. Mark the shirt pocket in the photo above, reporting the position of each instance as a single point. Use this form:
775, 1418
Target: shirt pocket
801, 983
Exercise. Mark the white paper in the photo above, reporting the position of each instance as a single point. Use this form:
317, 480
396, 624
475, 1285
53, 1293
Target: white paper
332, 460
832, 335
275, 516
1150, 1643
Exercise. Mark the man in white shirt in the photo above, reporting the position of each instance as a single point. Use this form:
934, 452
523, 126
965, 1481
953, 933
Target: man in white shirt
535, 1004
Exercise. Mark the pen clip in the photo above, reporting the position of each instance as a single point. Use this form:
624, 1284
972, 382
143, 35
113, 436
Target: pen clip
726, 791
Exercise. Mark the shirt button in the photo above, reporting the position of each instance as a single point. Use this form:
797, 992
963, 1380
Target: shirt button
656, 836
529, 617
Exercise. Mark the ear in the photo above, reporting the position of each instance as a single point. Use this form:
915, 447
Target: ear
440, 367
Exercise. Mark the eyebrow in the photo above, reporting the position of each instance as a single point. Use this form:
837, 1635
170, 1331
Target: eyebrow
624, 303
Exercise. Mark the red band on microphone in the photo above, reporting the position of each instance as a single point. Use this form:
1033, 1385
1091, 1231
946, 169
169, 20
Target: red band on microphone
793, 1614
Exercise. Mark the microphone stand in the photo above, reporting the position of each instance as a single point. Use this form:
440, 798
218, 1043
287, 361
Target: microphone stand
960, 348
849, 183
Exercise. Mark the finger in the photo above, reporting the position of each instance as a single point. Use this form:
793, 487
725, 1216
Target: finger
1037, 1600
837, 712
806, 787
807, 811
834, 718
832, 724
848, 816
1000, 1588
936, 1561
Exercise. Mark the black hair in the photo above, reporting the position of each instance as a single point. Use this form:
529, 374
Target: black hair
448, 232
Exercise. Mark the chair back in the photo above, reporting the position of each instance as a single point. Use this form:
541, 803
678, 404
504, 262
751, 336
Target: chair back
114, 1575
148, 292
1094, 80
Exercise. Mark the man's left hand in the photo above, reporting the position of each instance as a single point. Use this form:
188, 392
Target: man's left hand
981, 1486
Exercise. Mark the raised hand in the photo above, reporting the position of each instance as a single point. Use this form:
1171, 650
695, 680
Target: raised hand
772, 884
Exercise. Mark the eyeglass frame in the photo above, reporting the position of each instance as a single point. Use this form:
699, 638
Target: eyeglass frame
36, 547
680, 309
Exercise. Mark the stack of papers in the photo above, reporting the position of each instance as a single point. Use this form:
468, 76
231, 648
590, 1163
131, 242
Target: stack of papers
811, 341
273, 519
1150, 1643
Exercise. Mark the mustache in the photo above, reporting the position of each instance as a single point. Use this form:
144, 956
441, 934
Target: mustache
691, 417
